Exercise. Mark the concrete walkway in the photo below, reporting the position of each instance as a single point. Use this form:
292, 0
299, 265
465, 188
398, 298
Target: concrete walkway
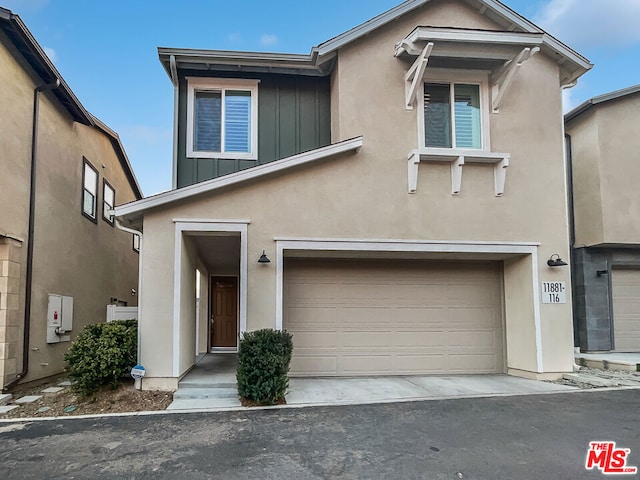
211, 384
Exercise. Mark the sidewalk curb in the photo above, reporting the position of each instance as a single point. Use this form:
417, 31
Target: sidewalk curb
306, 405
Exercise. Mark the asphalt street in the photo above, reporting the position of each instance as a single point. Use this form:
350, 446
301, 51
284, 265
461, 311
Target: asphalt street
528, 437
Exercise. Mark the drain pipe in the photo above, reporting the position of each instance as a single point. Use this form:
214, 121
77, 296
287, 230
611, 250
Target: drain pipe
176, 101
119, 225
32, 207
568, 162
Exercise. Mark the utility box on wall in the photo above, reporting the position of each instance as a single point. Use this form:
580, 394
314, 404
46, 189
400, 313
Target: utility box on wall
59, 318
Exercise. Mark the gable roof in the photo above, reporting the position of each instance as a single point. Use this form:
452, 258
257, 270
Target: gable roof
135, 209
24, 41
122, 155
607, 97
320, 60
26, 44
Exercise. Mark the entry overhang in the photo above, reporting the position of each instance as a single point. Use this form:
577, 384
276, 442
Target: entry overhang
490, 50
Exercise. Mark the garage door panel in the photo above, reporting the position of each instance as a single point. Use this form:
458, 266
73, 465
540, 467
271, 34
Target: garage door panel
626, 309
315, 365
420, 339
312, 338
481, 316
475, 294
465, 363
393, 317
302, 293
366, 364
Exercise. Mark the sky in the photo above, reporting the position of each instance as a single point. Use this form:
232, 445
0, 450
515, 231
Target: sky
107, 50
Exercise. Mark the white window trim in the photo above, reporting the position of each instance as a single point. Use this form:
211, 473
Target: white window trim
452, 77
200, 84
94, 215
105, 211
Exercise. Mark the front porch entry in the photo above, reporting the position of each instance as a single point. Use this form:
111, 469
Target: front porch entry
210, 288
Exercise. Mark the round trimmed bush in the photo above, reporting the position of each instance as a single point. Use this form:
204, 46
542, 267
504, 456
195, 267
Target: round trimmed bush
263, 363
101, 354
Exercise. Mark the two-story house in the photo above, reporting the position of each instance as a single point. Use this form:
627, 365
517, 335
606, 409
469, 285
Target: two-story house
603, 141
62, 257
395, 199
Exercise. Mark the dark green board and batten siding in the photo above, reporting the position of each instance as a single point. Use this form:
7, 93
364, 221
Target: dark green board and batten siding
294, 116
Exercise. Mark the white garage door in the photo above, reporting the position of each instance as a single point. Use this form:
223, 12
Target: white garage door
626, 309
367, 317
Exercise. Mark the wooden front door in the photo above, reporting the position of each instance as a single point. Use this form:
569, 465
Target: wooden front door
224, 308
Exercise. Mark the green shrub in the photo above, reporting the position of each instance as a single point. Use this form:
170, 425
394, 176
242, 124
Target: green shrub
263, 364
101, 354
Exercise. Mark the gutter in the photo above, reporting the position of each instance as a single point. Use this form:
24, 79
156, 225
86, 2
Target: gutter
176, 100
32, 207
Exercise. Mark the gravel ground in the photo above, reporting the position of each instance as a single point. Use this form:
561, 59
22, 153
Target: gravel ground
67, 403
622, 378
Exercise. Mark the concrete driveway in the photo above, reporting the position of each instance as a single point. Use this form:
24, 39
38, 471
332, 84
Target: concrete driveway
219, 392
347, 391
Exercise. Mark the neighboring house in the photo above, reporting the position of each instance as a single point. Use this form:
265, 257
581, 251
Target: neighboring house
603, 140
62, 259
406, 180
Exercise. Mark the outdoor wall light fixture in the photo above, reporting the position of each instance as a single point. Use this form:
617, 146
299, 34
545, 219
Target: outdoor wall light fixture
556, 261
263, 258
599, 273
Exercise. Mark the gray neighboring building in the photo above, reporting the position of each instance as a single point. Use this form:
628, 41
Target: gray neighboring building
603, 140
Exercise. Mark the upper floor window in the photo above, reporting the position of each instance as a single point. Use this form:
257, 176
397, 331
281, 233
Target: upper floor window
454, 114
136, 243
108, 201
222, 118
89, 190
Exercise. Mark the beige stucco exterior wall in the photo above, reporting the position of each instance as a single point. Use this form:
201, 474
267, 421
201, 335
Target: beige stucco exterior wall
587, 195
72, 255
364, 196
619, 169
605, 145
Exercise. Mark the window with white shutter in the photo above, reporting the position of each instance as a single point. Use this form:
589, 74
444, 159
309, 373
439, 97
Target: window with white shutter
222, 118
452, 116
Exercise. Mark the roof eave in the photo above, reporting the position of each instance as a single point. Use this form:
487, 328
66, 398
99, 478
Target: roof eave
124, 158
26, 43
241, 61
607, 97
135, 209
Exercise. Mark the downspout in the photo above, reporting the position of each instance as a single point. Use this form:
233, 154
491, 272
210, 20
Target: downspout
568, 159
176, 102
32, 208
135, 232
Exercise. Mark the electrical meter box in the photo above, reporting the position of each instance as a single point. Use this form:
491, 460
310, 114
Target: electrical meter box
59, 318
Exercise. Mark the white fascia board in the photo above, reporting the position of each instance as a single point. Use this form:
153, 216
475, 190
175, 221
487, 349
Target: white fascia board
386, 17
349, 36
184, 56
391, 244
559, 47
459, 35
353, 144
511, 16
434, 34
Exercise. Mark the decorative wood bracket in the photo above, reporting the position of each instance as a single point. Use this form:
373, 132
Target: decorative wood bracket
457, 159
503, 78
414, 75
